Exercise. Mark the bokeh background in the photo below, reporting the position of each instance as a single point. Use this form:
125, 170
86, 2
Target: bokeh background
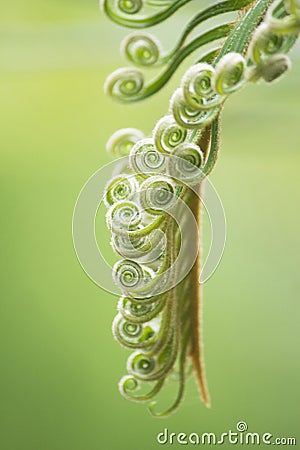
59, 363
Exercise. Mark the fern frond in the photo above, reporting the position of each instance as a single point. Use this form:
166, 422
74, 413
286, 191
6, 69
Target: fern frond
154, 205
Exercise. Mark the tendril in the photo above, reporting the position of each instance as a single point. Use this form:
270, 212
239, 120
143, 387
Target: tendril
181, 381
130, 6
122, 141
127, 84
147, 248
124, 84
197, 87
230, 74
129, 385
144, 158
123, 15
133, 334
139, 312
158, 194
189, 117
119, 188
150, 366
144, 49
265, 43
133, 278
141, 49
124, 215
167, 134
186, 163
208, 13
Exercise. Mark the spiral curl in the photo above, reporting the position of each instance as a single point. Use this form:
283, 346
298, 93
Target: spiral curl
152, 366
129, 385
144, 248
124, 215
124, 84
141, 49
265, 43
197, 87
133, 279
270, 42
130, 6
139, 281
190, 117
128, 274
186, 163
145, 160
167, 134
128, 247
229, 75
158, 194
122, 141
140, 311
123, 12
133, 334
121, 187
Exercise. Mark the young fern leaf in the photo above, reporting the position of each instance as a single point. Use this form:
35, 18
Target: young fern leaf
154, 202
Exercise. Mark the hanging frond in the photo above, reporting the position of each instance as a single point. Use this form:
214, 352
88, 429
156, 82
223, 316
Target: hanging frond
155, 203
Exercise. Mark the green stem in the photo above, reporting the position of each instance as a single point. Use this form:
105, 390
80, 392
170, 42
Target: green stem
237, 41
143, 22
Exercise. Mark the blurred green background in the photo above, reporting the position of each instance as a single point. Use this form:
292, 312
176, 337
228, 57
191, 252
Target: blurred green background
59, 363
